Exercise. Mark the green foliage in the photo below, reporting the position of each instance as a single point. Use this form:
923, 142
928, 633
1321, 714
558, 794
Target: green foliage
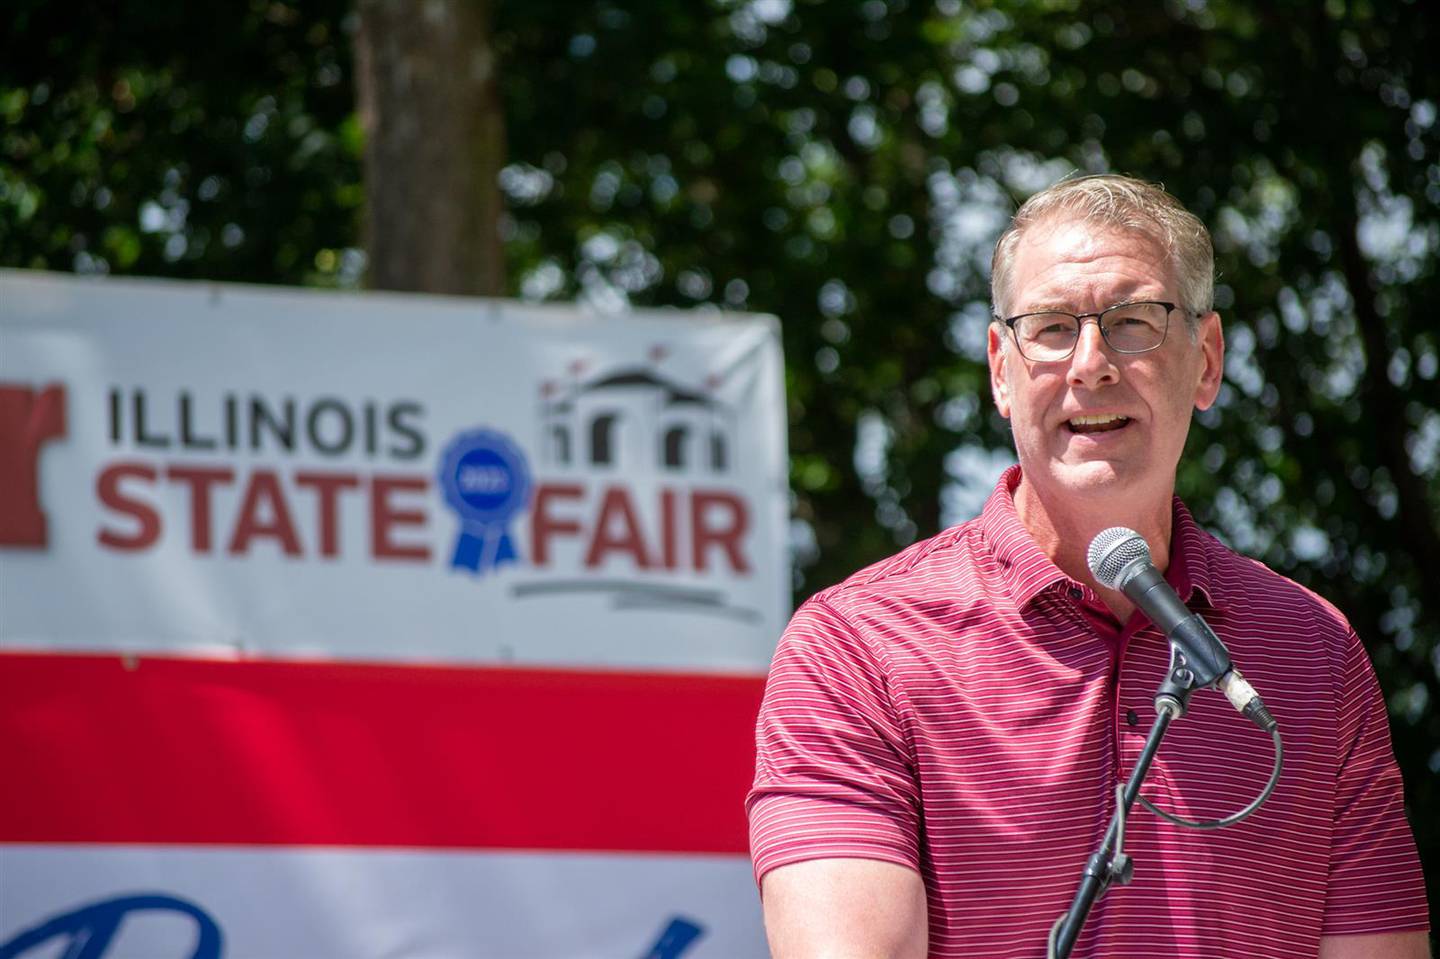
177, 139
846, 166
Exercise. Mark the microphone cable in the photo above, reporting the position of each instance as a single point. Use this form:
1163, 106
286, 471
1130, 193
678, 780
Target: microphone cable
1233, 818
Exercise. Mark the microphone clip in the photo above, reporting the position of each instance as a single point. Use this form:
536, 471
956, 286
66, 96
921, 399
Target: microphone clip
1181, 680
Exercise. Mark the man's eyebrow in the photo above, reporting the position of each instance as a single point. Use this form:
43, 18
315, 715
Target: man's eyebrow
1046, 308
1059, 308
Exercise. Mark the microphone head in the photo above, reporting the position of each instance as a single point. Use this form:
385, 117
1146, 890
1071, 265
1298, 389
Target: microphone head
1114, 554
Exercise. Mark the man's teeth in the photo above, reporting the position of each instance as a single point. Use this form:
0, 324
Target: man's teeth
1101, 420
1100, 423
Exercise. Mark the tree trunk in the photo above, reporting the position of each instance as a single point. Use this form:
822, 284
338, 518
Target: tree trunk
434, 145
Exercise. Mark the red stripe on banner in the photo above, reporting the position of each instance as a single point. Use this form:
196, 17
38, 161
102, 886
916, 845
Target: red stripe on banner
105, 749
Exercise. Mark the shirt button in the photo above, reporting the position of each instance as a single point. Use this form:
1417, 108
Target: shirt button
1076, 592
1132, 717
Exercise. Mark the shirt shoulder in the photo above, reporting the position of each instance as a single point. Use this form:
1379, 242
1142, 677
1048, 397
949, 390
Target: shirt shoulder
946, 561
1246, 587
913, 606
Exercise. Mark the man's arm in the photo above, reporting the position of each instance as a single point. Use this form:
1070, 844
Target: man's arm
1389, 945
843, 908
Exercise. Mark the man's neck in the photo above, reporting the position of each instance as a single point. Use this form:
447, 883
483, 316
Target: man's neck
1064, 531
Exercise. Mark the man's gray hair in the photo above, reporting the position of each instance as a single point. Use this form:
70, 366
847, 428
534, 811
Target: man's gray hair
1119, 203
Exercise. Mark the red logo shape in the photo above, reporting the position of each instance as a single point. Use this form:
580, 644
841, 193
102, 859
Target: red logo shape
28, 419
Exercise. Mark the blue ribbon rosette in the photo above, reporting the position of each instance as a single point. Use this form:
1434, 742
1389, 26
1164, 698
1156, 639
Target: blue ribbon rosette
487, 483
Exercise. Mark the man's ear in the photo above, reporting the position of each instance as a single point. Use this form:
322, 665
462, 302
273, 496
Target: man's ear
999, 387
1212, 346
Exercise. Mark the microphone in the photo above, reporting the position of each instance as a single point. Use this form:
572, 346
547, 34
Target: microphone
1119, 559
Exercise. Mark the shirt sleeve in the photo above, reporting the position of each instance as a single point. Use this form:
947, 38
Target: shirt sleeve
1375, 880
834, 772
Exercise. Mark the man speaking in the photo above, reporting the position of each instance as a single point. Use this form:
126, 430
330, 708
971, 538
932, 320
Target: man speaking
943, 733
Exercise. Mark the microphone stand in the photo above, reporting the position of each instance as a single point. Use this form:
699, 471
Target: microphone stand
1109, 863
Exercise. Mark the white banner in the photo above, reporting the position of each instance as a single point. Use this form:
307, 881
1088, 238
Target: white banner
277, 904
385, 477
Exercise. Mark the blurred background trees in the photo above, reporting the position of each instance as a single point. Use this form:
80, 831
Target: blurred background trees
845, 166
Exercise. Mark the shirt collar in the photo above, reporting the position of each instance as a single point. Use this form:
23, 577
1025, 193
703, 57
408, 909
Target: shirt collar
1028, 572
1190, 571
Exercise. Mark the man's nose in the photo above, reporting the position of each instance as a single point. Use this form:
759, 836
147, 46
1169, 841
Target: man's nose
1091, 364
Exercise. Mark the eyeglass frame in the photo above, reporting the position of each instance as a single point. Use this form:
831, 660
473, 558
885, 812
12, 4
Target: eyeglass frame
1080, 319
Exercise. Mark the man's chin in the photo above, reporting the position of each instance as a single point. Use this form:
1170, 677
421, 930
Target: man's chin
1097, 480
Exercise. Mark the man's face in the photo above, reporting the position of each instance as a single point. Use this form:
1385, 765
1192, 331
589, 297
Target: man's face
1145, 400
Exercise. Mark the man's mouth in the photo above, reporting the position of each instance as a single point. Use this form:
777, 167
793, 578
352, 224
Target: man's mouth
1097, 424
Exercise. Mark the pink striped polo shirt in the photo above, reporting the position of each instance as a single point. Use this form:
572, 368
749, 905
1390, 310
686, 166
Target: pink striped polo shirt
954, 709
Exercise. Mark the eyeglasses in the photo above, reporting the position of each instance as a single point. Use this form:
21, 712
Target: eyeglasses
1127, 328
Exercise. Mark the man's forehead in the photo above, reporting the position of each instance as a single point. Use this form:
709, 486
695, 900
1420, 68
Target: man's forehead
1080, 239
1065, 250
